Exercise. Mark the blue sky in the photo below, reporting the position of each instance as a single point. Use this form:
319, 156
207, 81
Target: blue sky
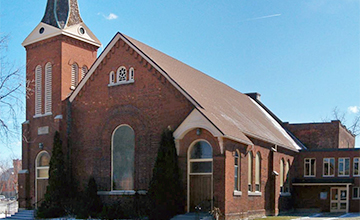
303, 57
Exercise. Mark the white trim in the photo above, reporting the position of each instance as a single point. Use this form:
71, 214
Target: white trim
58, 117
23, 171
323, 167
116, 192
344, 166
120, 83
256, 193
358, 166
321, 184
42, 115
237, 193
193, 174
358, 194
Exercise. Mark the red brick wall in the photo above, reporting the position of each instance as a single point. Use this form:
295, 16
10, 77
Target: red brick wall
149, 106
322, 135
60, 51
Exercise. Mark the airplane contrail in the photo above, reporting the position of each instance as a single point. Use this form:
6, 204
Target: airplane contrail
263, 17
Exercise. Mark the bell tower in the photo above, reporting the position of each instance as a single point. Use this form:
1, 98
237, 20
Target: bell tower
59, 52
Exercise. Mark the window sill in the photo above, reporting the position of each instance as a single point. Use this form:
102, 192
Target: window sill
254, 193
343, 175
309, 176
121, 83
356, 198
237, 193
42, 115
287, 194
328, 176
121, 192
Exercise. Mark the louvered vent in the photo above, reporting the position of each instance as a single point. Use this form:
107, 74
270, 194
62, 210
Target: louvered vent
38, 90
48, 88
74, 75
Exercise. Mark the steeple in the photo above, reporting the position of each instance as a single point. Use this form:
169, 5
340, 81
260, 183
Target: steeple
62, 17
62, 13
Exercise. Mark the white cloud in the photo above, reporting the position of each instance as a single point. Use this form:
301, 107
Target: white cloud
354, 109
111, 16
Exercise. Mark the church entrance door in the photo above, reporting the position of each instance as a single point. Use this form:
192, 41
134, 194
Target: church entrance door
200, 177
42, 176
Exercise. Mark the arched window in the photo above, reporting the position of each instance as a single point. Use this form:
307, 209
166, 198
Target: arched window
236, 171
42, 165
84, 70
112, 77
131, 74
74, 75
287, 177
258, 172
250, 171
123, 148
48, 87
282, 175
38, 74
201, 158
121, 74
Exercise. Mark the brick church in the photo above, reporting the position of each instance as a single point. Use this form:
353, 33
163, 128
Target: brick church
110, 110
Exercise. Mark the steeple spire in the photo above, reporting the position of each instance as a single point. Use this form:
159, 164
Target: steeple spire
62, 13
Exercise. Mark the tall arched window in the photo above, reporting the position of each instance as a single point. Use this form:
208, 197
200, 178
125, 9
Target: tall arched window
38, 80
84, 70
131, 74
121, 74
287, 177
48, 87
123, 148
258, 172
250, 171
282, 175
42, 174
201, 158
236, 171
112, 77
74, 75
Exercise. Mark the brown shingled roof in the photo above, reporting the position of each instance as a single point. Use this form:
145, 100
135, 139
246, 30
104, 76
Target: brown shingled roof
235, 114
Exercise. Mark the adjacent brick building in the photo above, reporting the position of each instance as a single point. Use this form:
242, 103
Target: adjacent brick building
233, 152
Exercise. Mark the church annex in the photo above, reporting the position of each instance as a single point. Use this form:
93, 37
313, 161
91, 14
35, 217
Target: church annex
234, 153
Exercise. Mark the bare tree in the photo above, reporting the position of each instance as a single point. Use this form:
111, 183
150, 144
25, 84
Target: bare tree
11, 94
354, 127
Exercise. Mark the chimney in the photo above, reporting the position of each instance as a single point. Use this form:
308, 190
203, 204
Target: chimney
254, 95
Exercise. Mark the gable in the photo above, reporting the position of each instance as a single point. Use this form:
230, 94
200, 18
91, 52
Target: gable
233, 113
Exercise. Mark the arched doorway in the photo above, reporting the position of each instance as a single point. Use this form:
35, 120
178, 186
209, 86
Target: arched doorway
200, 175
41, 175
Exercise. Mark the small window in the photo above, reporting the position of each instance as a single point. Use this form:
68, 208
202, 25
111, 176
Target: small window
250, 172
84, 71
131, 74
121, 74
236, 171
287, 178
48, 88
356, 193
257, 172
112, 77
329, 166
38, 82
309, 167
344, 166
282, 175
74, 75
356, 166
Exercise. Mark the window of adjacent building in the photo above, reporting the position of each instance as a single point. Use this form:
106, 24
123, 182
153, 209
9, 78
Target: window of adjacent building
344, 166
329, 166
48, 87
309, 167
123, 148
237, 171
257, 172
250, 172
121, 74
356, 193
356, 166
38, 80
201, 158
84, 70
74, 75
